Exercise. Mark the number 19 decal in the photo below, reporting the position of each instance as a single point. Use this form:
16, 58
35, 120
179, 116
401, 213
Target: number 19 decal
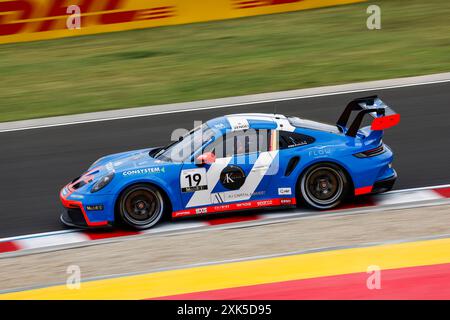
193, 180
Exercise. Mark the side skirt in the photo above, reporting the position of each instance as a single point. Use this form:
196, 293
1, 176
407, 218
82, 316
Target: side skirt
236, 206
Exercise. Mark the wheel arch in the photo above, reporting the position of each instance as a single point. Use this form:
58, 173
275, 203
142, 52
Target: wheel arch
167, 202
326, 161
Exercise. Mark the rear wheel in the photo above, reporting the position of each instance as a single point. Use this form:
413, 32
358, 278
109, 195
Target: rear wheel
141, 206
323, 186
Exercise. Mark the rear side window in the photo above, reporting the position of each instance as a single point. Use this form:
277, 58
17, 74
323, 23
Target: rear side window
291, 140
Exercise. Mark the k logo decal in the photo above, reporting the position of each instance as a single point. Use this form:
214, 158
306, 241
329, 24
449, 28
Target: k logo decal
232, 177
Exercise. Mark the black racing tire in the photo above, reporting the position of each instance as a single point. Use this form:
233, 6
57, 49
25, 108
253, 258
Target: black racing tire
141, 206
322, 186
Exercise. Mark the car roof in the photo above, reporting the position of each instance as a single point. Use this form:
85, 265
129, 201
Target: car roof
244, 121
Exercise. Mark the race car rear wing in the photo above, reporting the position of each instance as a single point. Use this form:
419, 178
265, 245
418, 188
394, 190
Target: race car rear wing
384, 116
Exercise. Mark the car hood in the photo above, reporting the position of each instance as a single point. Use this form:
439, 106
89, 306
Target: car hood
124, 161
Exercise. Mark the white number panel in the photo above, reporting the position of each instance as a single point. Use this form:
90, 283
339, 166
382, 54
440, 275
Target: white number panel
192, 180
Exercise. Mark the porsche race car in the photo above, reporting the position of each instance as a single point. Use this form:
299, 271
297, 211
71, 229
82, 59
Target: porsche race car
238, 162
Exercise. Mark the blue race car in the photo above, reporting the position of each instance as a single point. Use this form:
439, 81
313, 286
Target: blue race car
238, 162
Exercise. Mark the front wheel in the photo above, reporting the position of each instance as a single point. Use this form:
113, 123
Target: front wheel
141, 206
322, 186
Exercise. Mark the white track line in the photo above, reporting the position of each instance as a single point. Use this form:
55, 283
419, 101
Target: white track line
206, 107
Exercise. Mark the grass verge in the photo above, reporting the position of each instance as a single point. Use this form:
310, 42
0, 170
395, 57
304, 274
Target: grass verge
225, 58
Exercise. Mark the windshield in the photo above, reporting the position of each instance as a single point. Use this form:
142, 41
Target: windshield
180, 150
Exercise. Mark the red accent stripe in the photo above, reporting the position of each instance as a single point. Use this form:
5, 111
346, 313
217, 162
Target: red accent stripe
218, 221
422, 282
112, 234
235, 207
445, 192
386, 122
8, 246
363, 190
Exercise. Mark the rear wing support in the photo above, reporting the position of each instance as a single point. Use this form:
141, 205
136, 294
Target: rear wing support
384, 116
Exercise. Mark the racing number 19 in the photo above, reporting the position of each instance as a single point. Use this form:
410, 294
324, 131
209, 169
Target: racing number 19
196, 177
192, 180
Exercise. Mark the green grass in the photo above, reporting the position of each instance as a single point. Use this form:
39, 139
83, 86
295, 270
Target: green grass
225, 58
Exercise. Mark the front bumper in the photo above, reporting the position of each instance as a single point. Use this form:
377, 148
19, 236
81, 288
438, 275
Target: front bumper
73, 217
80, 210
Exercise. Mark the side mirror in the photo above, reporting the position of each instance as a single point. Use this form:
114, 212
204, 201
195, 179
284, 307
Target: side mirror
206, 158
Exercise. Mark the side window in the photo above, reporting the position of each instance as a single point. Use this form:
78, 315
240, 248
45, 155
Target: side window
291, 140
240, 142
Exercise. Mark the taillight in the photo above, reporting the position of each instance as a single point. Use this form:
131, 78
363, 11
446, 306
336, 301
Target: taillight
371, 152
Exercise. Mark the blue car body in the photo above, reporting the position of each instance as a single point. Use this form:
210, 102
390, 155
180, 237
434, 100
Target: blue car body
362, 155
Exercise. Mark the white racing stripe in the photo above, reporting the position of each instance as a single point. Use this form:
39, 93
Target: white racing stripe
281, 120
203, 197
238, 123
258, 172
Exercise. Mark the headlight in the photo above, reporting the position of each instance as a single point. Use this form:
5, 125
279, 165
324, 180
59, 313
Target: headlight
103, 182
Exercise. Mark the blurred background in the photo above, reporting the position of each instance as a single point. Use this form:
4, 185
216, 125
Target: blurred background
187, 62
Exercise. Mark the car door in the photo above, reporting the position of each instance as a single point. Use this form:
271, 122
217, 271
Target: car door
293, 146
241, 172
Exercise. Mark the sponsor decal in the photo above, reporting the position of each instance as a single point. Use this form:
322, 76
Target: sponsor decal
238, 123
30, 20
135, 172
96, 207
222, 197
298, 144
241, 126
192, 180
224, 207
288, 201
217, 197
32, 16
284, 191
264, 203
232, 177
181, 213
201, 210
236, 206
320, 152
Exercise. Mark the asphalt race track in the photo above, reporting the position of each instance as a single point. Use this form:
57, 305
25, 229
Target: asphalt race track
35, 164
